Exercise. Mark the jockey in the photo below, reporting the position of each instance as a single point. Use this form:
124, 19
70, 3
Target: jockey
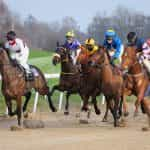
90, 46
73, 45
18, 51
145, 57
114, 46
134, 40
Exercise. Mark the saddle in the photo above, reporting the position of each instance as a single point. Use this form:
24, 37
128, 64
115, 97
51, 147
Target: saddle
28, 76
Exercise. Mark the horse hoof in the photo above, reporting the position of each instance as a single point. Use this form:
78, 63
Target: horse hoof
98, 112
83, 121
54, 110
145, 129
136, 114
104, 120
16, 128
77, 115
126, 114
66, 113
26, 115
122, 123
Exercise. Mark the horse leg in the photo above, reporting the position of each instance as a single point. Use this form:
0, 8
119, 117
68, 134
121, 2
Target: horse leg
85, 108
28, 96
138, 101
9, 106
94, 101
105, 119
120, 107
125, 106
19, 111
55, 87
67, 104
116, 123
51, 106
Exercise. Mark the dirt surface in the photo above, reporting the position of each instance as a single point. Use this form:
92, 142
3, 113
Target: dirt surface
66, 133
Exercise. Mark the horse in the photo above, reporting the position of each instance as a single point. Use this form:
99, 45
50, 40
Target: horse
138, 76
69, 78
111, 83
74, 81
90, 81
14, 85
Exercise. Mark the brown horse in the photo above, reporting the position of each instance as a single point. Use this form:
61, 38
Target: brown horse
111, 83
14, 85
73, 81
138, 78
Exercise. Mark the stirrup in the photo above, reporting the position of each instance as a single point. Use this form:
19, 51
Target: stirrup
29, 76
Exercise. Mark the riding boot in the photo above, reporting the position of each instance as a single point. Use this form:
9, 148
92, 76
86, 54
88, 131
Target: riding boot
29, 76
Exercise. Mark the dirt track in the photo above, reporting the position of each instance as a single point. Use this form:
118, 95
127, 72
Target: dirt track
66, 133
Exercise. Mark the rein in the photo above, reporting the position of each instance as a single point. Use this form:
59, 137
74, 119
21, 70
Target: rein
137, 74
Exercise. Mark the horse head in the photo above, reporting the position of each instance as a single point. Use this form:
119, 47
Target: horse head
99, 58
62, 55
129, 58
4, 56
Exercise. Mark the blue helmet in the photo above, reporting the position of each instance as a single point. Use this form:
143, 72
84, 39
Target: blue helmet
110, 34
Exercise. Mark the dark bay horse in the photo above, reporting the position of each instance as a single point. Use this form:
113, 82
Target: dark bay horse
14, 85
74, 81
90, 85
138, 78
69, 78
111, 83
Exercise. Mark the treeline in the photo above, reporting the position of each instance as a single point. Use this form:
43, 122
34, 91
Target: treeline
123, 20
44, 35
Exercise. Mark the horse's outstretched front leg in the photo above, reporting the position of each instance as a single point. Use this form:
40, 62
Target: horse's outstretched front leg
67, 103
55, 87
51, 105
94, 101
19, 111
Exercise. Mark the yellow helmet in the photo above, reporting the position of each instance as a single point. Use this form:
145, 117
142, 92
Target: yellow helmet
90, 41
70, 34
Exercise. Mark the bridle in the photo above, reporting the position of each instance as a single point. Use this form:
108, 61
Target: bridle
134, 75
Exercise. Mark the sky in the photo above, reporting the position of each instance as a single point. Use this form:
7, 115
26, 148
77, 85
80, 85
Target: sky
81, 10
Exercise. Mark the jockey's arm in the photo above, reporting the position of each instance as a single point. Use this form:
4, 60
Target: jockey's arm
118, 50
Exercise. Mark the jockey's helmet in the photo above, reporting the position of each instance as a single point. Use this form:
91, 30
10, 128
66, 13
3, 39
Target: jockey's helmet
11, 35
110, 34
70, 34
148, 42
131, 37
90, 43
